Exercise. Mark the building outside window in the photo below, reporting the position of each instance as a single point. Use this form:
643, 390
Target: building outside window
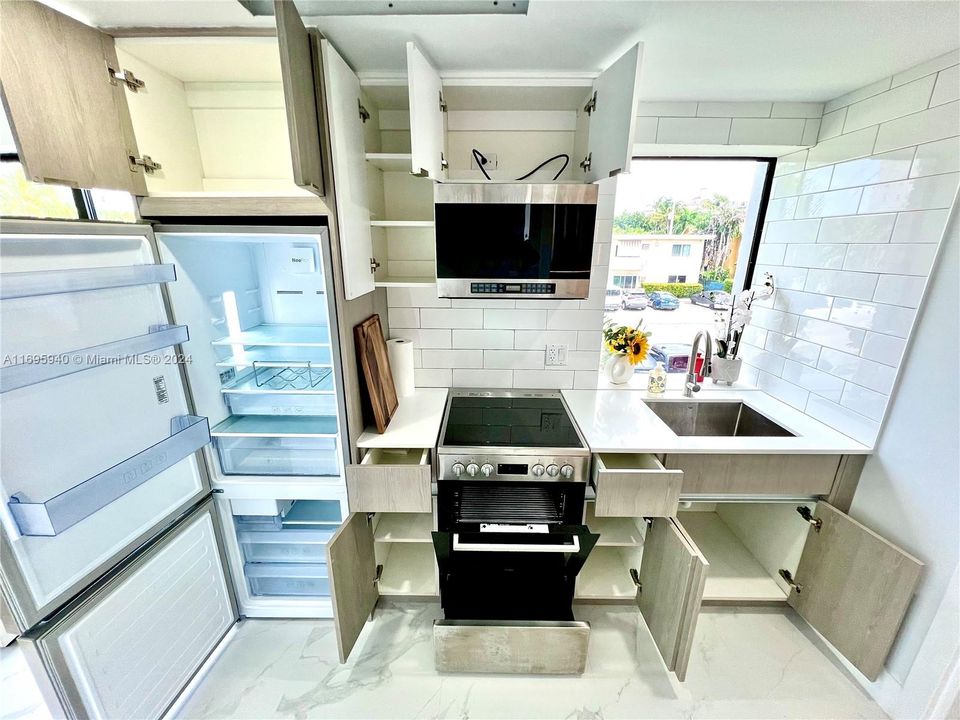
681, 251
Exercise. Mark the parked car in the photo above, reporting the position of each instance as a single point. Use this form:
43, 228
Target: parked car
663, 301
713, 299
614, 299
674, 357
635, 300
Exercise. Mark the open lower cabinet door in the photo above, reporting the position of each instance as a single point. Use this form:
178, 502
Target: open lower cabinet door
426, 116
352, 567
671, 580
853, 587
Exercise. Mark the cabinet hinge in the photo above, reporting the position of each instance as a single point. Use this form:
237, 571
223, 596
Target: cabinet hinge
635, 575
805, 513
443, 105
788, 578
587, 162
591, 105
217, 491
364, 113
379, 573
443, 162
146, 162
127, 78
374, 265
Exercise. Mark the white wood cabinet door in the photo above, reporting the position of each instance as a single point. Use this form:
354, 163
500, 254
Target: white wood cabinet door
612, 122
342, 87
427, 123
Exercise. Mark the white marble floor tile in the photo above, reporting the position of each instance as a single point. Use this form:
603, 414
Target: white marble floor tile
758, 663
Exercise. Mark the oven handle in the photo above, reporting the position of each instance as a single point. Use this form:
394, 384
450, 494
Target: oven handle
513, 547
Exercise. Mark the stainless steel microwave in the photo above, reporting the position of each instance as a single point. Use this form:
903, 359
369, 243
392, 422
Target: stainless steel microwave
514, 240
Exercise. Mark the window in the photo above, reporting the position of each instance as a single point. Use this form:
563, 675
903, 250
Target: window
681, 251
625, 281
676, 278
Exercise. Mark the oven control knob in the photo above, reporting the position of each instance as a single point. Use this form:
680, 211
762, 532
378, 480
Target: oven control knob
457, 469
537, 470
553, 470
486, 469
473, 469
567, 471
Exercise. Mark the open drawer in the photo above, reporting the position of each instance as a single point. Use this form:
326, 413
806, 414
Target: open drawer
389, 480
556, 647
634, 485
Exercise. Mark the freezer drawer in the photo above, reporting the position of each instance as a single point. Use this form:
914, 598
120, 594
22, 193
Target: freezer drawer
284, 546
505, 646
278, 456
127, 648
287, 579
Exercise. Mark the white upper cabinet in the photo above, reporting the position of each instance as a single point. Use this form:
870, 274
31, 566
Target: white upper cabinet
345, 118
606, 123
427, 124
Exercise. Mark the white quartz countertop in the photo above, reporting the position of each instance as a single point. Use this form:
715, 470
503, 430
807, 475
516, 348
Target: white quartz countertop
416, 424
619, 421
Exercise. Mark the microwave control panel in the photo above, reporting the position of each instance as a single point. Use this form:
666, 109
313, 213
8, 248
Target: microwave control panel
494, 288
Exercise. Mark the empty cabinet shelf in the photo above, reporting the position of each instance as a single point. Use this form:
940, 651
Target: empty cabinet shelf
280, 335
22, 375
289, 545
245, 357
188, 433
53, 282
287, 579
391, 162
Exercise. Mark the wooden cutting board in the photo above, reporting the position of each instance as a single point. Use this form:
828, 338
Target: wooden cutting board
372, 351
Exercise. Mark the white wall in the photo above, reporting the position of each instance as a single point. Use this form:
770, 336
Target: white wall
502, 343
851, 233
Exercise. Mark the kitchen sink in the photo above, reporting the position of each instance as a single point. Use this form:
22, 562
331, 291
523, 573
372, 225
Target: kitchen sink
723, 419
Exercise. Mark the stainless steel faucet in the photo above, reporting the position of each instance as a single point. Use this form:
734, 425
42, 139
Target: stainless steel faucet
692, 386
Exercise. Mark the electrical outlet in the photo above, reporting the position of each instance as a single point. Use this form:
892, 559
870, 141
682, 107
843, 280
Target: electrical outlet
491, 163
556, 355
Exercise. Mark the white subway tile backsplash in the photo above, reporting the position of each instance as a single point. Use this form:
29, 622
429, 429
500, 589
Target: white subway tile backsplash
767, 131
843, 147
937, 158
803, 303
450, 318
579, 360
811, 130
803, 183
927, 193
402, 317
714, 131
813, 380
492, 302
797, 110
793, 348
483, 339
539, 339
483, 378
791, 163
762, 359
835, 202
947, 87
589, 340
857, 95
885, 349
543, 379
830, 335
667, 109
513, 359
788, 278
842, 284
857, 370
781, 209
886, 167
782, 390
748, 376
424, 338
857, 229
922, 127
574, 319
922, 226
431, 358
514, 319
734, 109
586, 379
887, 319
645, 130
774, 320
831, 124
753, 335
893, 259
864, 401
416, 297
815, 256
792, 231
432, 377
853, 424
770, 254
547, 304
927, 68
903, 290
903, 100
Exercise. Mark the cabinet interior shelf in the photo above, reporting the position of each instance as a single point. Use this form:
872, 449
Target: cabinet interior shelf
606, 576
280, 335
614, 531
391, 162
409, 569
405, 282
278, 426
402, 223
188, 433
405, 528
22, 375
54, 282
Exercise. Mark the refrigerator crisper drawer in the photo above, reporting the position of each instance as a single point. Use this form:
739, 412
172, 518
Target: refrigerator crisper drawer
287, 579
285, 546
278, 456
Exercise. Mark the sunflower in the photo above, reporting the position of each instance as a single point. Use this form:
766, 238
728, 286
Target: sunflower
638, 348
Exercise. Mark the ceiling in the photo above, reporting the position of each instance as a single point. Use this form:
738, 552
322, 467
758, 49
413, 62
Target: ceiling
768, 50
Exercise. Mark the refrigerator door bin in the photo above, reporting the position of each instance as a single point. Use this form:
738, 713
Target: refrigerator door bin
278, 456
188, 434
288, 579
286, 546
31, 284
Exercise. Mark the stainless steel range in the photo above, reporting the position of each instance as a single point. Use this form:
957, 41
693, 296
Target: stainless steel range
509, 436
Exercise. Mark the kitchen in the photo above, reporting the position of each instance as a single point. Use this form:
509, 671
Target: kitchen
276, 509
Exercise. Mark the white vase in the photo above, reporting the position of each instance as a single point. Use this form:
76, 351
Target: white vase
725, 369
618, 369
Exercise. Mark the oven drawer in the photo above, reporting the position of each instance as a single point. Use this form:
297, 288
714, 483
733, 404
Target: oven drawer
634, 485
511, 646
390, 480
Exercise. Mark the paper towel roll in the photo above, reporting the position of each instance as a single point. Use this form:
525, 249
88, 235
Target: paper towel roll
400, 352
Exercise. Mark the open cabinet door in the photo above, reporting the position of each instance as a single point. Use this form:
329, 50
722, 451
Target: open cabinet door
300, 66
67, 109
352, 567
671, 577
342, 87
612, 109
853, 587
426, 116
